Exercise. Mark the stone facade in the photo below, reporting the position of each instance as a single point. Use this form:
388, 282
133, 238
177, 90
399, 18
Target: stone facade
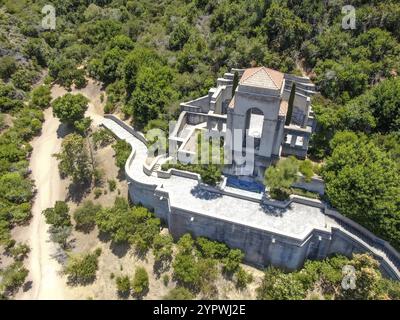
255, 112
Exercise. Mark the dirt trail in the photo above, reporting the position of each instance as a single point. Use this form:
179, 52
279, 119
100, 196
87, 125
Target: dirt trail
44, 278
46, 282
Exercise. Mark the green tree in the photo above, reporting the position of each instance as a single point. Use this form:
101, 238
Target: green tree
232, 262
383, 103
59, 215
74, 159
283, 28
138, 58
70, 108
187, 271
306, 169
212, 249
281, 176
41, 97
8, 66
162, 247
179, 35
344, 79
362, 182
152, 94
134, 225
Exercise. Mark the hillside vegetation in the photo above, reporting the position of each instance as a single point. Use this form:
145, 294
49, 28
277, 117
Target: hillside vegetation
151, 55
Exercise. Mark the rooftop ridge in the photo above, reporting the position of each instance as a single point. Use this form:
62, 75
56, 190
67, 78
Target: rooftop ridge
268, 73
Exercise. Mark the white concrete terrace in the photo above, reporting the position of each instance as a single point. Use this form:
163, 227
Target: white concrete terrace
296, 221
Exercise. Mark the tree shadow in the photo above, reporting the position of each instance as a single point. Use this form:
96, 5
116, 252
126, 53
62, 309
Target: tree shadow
63, 130
200, 193
161, 267
140, 253
121, 176
60, 256
74, 281
272, 210
27, 286
141, 295
77, 191
119, 249
123, 294
86, 228
104, 236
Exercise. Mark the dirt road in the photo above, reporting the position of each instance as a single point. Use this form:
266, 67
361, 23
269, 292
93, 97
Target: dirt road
44, 277
46, 282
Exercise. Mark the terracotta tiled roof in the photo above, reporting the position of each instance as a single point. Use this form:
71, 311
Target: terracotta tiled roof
262, 77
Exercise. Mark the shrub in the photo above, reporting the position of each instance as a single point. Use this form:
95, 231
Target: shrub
140, 283
15, 188
134, 225
123, 285
112, 184
277, 285
20, 251
85, 215
233, 260
281, 176
98, 175
243, 278
81, 269
306, 169
122, 151
102, 138
60, 235
97, 193
41, 97
162, 247
179, 293
8, 66
12, 277
20, 214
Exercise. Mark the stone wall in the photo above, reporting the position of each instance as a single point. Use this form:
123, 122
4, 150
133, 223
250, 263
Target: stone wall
261, 248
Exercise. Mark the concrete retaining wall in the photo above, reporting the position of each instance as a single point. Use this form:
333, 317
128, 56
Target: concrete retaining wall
128, 128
